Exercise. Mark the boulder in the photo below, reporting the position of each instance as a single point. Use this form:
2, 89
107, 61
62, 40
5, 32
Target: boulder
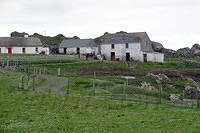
157, 46
175, 98
183, 52
147, 86
195, 49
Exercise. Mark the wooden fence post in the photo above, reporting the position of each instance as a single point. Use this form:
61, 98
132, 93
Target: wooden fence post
68, 87
197, 95
124, 90
34, 82
160, 94
58, 71
7, 63
23, 82
94, 83
40, 73
127, 81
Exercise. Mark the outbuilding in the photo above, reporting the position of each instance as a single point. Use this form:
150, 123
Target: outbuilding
22, 45
78, 46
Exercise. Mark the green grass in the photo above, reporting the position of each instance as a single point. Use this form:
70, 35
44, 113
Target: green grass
27, 111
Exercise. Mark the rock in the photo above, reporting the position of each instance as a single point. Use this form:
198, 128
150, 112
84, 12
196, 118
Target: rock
175, 98
157, 46
147, 86
183, 52
195, 49
17, 34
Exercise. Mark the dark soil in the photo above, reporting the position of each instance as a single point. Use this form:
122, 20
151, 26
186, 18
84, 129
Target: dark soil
110, 70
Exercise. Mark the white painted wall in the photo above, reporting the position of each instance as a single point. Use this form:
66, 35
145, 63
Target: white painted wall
134, 50
28, 50
153, 57
83, 50
121, 50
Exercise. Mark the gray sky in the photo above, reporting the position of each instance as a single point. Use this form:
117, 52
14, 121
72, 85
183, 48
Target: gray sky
174, 23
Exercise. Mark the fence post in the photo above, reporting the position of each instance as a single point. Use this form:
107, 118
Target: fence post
124, 90
58, 71
23, 82
127, 81
68, 88
94, 83
197, 95
34, 82
160, 94
7, 63
40, 73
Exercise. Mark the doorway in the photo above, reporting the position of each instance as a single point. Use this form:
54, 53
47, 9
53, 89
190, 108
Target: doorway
127, 56
78, 50
10, 50
112, 56
145, 57
65, 50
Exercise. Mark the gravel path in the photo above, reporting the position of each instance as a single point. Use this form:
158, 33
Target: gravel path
51, 81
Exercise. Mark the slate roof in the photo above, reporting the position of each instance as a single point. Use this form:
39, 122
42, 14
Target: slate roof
77, 43
19, 42
118, 38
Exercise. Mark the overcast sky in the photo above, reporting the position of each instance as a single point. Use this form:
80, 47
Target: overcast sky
174, 23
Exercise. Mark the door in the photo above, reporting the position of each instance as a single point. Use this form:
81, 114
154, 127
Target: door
145, 57
23, 50
112, 56
10, 50
65, 50
127, 56
78, 50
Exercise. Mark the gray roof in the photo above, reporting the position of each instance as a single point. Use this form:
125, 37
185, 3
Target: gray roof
19, 42
120, 38
77, 43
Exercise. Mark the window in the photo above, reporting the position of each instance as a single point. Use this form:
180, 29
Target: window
23, 50
36, 50
127, 45
112, 46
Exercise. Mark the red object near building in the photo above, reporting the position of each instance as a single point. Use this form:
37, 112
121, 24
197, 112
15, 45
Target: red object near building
145, 57
43, 52
10, 50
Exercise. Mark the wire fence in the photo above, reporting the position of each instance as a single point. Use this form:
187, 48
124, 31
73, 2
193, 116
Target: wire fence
149, 89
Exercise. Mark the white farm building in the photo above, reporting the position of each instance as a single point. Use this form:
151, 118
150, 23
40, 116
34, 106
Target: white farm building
22, 45
123, 46
78, 46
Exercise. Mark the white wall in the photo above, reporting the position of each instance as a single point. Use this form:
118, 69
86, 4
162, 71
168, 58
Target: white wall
121, 50
134, 50
28, 50
83, 50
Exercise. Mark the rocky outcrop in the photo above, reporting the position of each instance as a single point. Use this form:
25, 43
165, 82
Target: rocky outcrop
157, 46
147, 86
195, 49
18, 34
175, 98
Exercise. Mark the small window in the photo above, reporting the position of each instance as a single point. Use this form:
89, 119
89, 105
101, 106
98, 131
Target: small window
23, 50
127, 45
36, 50
113, 46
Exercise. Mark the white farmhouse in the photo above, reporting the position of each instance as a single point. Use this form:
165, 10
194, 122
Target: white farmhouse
22, 45
78, 46
123, 46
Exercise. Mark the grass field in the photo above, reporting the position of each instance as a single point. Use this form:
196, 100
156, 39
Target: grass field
27, 111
